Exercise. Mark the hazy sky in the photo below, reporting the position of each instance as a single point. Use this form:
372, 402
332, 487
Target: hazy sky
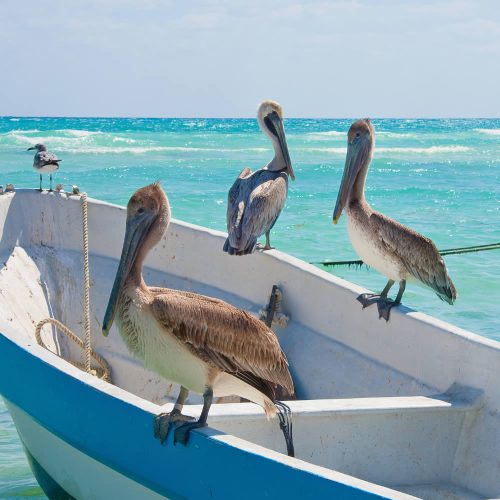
378, 58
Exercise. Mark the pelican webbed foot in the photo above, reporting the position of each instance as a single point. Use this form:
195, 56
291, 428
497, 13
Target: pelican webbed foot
384, 308
164, 422
181, 434
385, 305
267, 246
368, 299
263, 248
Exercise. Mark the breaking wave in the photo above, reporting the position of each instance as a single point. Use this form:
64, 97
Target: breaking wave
429, 150
328, 133
151, 149
488, 131
77, 133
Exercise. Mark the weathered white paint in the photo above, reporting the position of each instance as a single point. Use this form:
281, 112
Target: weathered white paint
367, 388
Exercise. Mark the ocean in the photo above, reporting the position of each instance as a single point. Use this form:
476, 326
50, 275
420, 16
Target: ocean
438, 176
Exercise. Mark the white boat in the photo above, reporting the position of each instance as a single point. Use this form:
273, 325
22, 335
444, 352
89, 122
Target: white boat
404, 409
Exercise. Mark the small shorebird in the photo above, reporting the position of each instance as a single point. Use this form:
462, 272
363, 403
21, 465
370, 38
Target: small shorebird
394, 250
44, 162
256, 199
206, 345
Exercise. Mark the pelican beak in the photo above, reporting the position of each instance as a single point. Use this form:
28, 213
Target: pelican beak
29, 149
136, 230
275, 125
357, 152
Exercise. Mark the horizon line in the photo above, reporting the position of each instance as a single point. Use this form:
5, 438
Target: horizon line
253, 117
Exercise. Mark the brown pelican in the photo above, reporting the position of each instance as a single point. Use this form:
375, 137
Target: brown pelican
44, 162
398, 252
204, 344
256, 199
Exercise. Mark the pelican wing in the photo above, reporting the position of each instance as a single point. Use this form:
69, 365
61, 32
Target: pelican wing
418, 254
264, 206
224, 336
236, 205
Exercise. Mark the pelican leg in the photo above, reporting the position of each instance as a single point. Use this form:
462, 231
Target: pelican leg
268, 241
164, 422
50, 182
181, 434
40, 182
385, 306
367, 299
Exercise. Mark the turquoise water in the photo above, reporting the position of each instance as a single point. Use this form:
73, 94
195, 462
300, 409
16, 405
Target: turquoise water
440, 177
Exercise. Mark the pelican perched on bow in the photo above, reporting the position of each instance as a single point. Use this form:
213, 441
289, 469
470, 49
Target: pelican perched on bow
398, 252
256, 199
44, 162
204, 344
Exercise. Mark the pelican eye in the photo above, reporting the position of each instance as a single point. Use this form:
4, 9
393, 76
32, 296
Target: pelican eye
141, 210
358, 134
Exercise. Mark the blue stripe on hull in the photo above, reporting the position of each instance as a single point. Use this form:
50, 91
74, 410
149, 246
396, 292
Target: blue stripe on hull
120, 435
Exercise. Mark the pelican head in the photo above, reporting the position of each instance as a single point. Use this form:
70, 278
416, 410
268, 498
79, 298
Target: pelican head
270, 117
148, 216
360, 142
39, 147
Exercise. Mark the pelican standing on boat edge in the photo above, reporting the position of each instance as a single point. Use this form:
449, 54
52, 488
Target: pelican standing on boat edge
256, 199
204, 344
394, 250
44, 162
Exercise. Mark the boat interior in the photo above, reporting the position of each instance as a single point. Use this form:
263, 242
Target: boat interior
355, 411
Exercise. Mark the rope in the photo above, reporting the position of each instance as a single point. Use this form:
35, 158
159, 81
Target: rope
86, 282
104, 371
448, 251
478, 248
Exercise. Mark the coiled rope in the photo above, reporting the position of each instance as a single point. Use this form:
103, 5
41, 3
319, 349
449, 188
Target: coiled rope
103, 371
448, 251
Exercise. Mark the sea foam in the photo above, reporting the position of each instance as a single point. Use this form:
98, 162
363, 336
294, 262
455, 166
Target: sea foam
488, 131
429, 150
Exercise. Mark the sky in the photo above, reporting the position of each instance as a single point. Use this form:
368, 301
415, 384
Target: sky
162, 58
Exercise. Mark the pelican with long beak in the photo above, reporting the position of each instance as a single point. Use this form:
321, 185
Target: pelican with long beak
204, 344
394, 250
256, 199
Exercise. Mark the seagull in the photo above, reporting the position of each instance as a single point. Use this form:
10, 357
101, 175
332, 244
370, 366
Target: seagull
44, 162
256, 199
394, 250
204, 344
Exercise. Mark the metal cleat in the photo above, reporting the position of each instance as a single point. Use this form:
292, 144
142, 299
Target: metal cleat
271, 314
